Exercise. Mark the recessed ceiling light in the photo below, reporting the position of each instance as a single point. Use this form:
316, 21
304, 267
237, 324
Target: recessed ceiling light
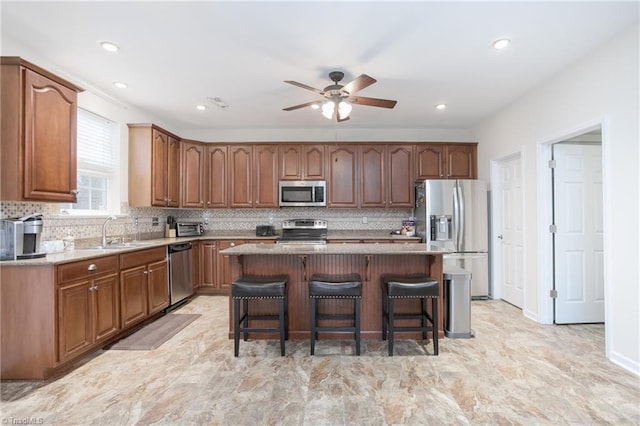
108, 46
201, 107
120, 84
441, 106
501, 43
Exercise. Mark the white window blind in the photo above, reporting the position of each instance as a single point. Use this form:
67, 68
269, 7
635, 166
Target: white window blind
95, 142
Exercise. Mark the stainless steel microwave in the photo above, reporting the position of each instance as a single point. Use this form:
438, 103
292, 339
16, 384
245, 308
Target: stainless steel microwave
303, 193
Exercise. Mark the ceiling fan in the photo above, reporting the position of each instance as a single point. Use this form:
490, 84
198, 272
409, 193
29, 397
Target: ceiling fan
338, 98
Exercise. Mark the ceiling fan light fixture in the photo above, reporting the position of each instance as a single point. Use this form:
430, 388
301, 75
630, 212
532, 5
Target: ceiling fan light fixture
315, 106
344, 109
328, 108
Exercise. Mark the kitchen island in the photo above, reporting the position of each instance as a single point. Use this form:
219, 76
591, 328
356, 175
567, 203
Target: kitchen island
300, 261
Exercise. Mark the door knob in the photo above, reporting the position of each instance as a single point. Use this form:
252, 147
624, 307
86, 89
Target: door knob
500, 236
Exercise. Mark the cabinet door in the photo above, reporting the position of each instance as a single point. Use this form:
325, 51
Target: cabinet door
429, 163
106, 318
158, 281
193, 175
133, 295
313, 162
216, 176
240, 165
173, 173
461, 161
159, 161
342, 174
75, 331
50, 119
265, 176
195, 263
290, 160
373, 179
209, 259
400, 172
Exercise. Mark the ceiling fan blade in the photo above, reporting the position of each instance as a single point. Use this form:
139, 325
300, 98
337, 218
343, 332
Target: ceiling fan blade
382, 103
359, 83
291, 108
304, 86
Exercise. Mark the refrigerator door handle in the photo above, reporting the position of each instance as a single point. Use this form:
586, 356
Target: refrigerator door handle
461, 217
456, 217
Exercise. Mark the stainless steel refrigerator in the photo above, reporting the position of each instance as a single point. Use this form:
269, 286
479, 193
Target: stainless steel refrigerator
453, 214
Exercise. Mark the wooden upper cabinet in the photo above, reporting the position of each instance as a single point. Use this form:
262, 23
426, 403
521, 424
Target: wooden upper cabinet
430, 161
193, 174
39, 125
461, 161
373, 176
446, 161
386, 176
216, 177
173, 172
400, 180
154, 167
240, 175
342, 176
301, 162
265, 176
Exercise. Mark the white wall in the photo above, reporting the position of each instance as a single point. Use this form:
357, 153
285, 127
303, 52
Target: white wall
601, 87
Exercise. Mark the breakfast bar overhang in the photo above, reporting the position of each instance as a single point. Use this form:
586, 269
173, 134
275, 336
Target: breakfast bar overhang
300, 261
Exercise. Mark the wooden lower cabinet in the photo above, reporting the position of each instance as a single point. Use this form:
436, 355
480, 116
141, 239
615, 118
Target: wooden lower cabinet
88, 311
216, 270
133, 295
144, 285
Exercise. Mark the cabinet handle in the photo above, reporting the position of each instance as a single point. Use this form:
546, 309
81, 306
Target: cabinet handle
75, 192
92, 267
232, 245
145, 272
93, 288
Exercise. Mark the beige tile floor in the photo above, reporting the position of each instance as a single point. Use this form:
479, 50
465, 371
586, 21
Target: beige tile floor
514, 372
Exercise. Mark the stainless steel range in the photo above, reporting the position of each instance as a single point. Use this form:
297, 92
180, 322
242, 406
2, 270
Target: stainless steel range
304, 231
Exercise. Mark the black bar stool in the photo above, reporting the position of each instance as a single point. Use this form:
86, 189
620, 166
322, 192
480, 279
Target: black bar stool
323, 286
248, 288
403, 287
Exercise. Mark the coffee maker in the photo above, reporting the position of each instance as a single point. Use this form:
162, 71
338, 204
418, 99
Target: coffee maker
20, 237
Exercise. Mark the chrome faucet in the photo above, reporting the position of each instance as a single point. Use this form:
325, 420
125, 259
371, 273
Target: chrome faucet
104, 230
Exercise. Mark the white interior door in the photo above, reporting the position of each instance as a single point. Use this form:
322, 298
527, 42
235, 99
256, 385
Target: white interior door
511, 232
578, 241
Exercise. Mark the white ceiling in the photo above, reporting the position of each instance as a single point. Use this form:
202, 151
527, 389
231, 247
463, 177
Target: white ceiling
175, 55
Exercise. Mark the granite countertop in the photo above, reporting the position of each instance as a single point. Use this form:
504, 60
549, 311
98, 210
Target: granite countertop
82, 253
372, 249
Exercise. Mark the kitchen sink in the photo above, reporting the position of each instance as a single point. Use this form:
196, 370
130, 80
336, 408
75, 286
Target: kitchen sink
116, 246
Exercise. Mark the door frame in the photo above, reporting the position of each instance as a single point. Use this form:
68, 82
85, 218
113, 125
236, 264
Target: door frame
496, 224
545, 217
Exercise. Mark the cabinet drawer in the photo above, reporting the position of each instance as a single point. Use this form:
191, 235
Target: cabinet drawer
142, 257
85, 268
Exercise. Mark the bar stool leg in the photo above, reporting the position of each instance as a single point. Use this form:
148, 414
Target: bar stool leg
245, 304
286, 318
434, 323
236, 327
356, 308
312, 318
423, 319
385, 315
281, 316
391, 324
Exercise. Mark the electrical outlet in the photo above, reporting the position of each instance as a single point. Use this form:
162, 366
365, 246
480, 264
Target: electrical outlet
155, 221
365, 219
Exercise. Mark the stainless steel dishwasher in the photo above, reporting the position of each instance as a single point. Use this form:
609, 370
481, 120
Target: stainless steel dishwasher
180, 274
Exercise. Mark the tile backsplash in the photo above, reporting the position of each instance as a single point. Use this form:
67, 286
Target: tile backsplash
58, 225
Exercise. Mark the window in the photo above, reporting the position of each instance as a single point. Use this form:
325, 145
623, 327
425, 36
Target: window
97, 165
